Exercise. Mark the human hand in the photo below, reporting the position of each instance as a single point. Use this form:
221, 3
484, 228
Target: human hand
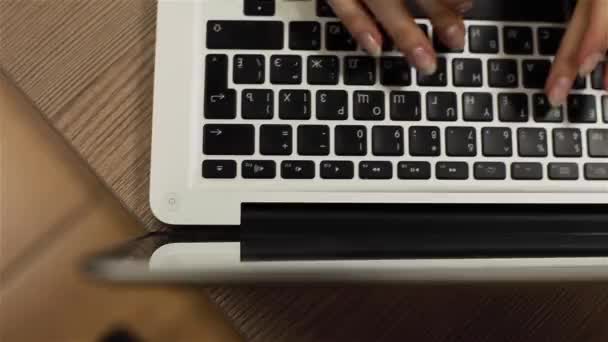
445, 15
583, 47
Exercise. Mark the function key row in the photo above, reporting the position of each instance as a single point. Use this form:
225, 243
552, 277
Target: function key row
307, 35
352, 140
406, 170
389, 71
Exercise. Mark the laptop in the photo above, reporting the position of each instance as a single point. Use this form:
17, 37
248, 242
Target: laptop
282, 152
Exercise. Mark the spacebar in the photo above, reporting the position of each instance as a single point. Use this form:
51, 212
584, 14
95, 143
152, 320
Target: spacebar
244, 35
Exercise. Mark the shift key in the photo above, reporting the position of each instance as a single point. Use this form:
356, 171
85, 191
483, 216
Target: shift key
245, 35
228, 140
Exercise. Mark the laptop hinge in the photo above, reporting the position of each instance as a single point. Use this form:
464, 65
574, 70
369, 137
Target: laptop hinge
393, 231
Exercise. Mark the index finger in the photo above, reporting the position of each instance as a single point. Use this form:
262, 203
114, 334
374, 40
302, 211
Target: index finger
406, 34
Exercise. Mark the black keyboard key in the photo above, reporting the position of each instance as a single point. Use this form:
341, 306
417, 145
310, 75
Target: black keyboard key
441, 106
527, 171
440, 47
359, 70
532, 142
582, 109
414, 170
220, 104
219, 169
452, 170
596, 171
259, 169
275, 140
461, 142
597, 143
497, 142
368, 105
304, 35
605, 106
563, 171
490, 171
535, 73
483, 39
477, 107
298, 169
579, 83
424, 141
405, 106
294, 104
313, 140
424, 28
387, 141
248, 69
567, 142
244, 35
324, 9
395, 71
438, 79
350, 140
323, 70
518, 40
228, 139
332, 105
337, 170
597, 76
467, 72
375, 170
257, 104
387, 40
337, 38
544, 112
285, 69
216, 72
259, 7
549, 40
502, 73
513, 107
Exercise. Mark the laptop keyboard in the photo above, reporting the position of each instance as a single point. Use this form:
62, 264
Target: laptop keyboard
294, 99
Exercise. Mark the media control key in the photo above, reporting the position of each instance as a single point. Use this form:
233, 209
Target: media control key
337, 170
259, 169
375, 170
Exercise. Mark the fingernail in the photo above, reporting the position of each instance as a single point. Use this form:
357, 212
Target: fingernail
559, 92
370, 44
590, 63
424, 61
465, 7
455, 36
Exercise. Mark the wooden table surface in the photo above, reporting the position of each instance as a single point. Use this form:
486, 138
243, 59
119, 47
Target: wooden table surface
88, 66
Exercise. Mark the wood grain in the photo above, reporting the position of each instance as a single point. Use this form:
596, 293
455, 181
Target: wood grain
54, 214
88, 66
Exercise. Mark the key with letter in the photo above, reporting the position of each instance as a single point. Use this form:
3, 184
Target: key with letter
441, 106
332, 105
368, 105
